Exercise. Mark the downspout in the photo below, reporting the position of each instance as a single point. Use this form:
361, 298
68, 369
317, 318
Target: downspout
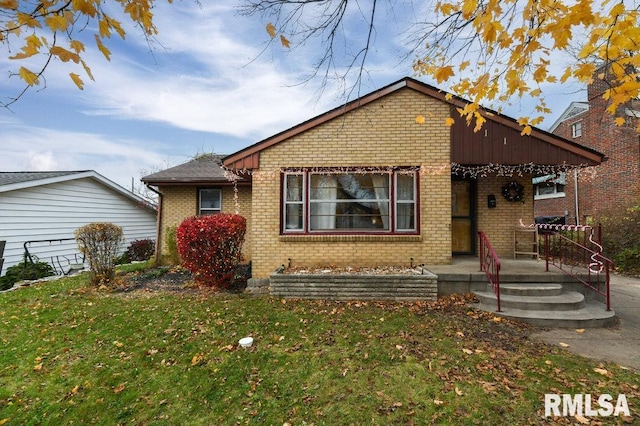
575, 195
158, 224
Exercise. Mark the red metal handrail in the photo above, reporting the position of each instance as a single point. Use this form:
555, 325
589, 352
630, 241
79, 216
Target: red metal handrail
490, 264
566, 254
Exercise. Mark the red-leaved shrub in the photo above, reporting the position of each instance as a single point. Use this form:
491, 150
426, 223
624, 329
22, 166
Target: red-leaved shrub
210, 247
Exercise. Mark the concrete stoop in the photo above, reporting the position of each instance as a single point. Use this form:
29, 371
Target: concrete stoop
546, 305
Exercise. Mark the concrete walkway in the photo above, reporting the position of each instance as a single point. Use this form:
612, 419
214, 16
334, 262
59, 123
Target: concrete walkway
620, 343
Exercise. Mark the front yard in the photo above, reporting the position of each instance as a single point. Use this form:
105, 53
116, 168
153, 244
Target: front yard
71, 354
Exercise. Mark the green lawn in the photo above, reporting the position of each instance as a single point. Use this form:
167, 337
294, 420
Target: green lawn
70, 354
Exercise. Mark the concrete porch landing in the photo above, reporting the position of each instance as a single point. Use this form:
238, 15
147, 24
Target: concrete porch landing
528, 293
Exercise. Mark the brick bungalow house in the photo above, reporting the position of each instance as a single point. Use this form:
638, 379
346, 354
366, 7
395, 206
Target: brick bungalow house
367, 184
579, 196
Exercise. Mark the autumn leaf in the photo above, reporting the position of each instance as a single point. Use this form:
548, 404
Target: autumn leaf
619, 121
467, 351
77, 80
9, 4
564, 345
106, 52
28, 76
602, 371
420, 119
284, 41
581, 419
438, 401
458, 391
3, 421
449, 121
444, 73
37, 367
119, 388
64, 54
271, 29
580, 330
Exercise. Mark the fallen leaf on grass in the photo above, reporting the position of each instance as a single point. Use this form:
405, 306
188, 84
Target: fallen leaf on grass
3, 421
37, 367
438, 402
467, 351
497, 319
119, 388
459, 392
602, 371
581, 419
196, 359
564, 345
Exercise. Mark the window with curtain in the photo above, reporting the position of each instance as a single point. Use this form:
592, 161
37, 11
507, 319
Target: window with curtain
209, 201
350, 202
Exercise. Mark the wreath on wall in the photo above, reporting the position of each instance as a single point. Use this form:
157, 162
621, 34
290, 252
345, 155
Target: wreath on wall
513, 191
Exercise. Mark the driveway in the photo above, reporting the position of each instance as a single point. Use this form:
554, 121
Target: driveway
620, 343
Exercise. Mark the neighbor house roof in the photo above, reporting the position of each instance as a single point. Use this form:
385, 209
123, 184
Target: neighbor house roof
202, 170
14, 181
463, 138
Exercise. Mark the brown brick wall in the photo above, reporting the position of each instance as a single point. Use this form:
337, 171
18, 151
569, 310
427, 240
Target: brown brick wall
181, 202
382, 133
617, 180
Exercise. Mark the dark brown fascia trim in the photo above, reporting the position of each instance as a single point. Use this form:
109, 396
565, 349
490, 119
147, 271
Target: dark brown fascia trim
237, 157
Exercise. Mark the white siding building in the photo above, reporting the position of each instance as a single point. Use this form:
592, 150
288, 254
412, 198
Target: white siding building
42, 210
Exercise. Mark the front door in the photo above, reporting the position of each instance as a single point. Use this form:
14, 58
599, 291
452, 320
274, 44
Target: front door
462, 216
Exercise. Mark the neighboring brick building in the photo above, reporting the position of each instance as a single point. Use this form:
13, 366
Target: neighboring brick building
616, 182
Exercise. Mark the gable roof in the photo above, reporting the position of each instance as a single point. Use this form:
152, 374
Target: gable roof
14, 181
249, 158
202, 170
574, 109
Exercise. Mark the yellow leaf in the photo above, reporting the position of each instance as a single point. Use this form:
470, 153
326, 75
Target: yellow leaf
75, 389
30, 78
420, 119
37, 367
106, 52
619, 121
602, 371
444, 73
271, 29
449, 121
196, 359
28, 20
77, 80
467, 351
87, 69
458, 391
8, 4
3, 421
284, 41
77, 46
564, 345
104, 29
57, 22
526, 131
437, 401
64, 54
580, 330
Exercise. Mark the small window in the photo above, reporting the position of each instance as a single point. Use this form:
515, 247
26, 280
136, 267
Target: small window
549, 186
576, 129
209, 201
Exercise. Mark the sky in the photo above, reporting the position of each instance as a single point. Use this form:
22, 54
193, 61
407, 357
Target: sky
211, 82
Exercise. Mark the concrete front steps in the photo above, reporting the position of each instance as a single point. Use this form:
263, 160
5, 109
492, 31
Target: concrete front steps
546, 305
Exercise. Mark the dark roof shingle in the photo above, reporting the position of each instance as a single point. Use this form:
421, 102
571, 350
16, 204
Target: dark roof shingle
10, 178
203, 169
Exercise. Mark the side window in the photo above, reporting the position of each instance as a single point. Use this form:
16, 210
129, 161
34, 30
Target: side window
209, 201
576, 129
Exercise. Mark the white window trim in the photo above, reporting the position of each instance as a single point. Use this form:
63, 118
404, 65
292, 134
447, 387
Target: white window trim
576, 129
396, 201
